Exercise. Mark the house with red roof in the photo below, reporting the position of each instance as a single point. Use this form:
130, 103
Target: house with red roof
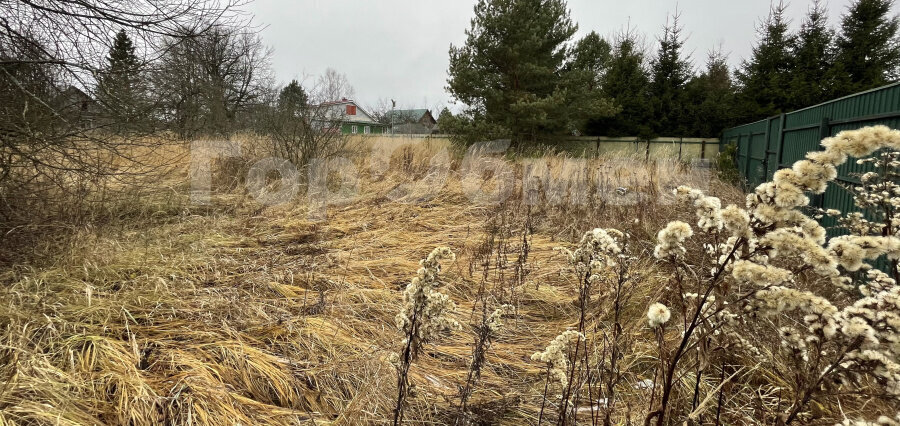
349, 117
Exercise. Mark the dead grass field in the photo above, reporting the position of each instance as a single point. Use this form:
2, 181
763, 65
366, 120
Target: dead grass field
233, 313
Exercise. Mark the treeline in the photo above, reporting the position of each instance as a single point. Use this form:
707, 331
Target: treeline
212, 83
89, 87
522, 75
208, 83
192, 80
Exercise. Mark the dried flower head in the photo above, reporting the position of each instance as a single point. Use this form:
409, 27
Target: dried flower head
495, 320
424, 305
671, 240
709, 209
555, 354
658, 314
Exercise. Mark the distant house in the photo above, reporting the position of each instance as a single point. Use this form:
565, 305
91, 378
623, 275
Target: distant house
78, 107
412, 121
349, 117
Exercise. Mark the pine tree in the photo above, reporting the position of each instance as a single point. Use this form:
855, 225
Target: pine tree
511, 70
443, 117
292, 99
591, 58
766, 77
626, 83
591, 55
814, 60
120, 84
868, 52
670, 71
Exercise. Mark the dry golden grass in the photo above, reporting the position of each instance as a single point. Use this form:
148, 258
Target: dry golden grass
237, 314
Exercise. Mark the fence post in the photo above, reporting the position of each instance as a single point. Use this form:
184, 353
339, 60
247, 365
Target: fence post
747, 159
779, 158
766, 142
824, 132
824, 128
778, 147
703, 149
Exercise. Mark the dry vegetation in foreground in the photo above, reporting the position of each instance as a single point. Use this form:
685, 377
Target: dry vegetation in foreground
233, 313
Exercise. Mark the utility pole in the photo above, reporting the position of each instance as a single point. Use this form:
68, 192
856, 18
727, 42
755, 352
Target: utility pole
393, 105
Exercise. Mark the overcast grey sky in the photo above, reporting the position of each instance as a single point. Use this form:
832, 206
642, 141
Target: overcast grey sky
398, 48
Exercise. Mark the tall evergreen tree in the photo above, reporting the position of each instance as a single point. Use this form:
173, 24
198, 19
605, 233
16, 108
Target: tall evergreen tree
590, 61
868, 51
443, 117
120, 84
814, 60
670, 71
511, 70
591, 55
626, 83
766, 77
292, 99
710, 95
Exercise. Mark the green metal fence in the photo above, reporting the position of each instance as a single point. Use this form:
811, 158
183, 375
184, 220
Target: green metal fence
776, 142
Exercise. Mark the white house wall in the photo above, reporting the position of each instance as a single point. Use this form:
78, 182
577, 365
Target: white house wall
338, 112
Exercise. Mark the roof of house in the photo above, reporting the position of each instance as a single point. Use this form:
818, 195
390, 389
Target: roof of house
74, 97
408, 114
74, 91
342, 101
346, 101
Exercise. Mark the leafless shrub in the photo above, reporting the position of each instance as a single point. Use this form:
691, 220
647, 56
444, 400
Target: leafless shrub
58, 136
211, 81
306, 124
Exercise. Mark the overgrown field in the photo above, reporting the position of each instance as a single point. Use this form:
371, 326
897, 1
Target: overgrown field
238, 313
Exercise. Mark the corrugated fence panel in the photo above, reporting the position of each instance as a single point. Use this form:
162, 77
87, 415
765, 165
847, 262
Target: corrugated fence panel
767, 145
752, 141
806, 116
798, 143
776, 142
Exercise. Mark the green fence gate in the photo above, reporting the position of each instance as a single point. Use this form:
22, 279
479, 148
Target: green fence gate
767, 145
